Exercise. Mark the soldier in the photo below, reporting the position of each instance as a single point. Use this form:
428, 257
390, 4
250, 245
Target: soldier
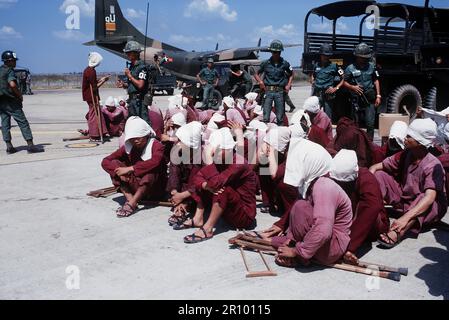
240, 82
323, 79
278, 77
208, 77
11, 100
362, 79
138, 80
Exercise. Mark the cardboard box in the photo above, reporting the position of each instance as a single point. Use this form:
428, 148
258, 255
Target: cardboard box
386, 120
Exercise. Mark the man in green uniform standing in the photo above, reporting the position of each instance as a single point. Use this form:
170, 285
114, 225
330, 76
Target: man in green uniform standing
324, 78
138, 80
362, 79
208, 77
240, 82
11, 100
277, 80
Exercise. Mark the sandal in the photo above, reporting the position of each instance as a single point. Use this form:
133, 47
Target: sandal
184, 226
126, 211
391, 244
195, 239
175, 220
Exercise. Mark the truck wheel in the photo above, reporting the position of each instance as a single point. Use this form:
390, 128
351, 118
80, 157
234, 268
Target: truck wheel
170, 92
406, 95
431, 99
216, 100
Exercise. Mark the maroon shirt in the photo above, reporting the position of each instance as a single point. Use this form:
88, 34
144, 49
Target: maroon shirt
89, 79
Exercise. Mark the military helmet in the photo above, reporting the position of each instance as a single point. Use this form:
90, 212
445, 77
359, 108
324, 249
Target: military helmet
133, 46
276, 46
326, 49
9, 55
363, 50
210, 60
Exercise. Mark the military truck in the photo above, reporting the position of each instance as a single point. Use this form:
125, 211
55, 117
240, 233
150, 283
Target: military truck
163, 81
411, 46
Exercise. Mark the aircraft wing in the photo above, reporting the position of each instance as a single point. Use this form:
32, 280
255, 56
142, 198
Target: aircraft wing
242, 53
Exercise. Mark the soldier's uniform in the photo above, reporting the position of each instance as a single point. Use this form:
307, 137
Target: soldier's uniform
11, 106
210, 76
364, 76
325, 77
276, 77
139, 71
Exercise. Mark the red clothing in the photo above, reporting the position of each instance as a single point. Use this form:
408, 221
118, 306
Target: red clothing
322, 121
89, 79
181, 177
115, 121
444, 159
370, 217
351, 137
318, 136
152, 171
239, 198
320, 225
156, 120
92, 123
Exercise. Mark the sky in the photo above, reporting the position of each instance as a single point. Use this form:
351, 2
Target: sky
37, 31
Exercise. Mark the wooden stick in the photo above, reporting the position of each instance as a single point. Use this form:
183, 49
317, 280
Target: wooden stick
351, 268
244, 259
75, 138
258, 274
373, 266
254, 246
97, 113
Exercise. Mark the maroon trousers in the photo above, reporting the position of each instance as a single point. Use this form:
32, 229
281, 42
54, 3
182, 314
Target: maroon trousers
92, 123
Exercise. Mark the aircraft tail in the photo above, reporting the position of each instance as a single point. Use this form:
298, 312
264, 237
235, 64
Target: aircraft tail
111, 27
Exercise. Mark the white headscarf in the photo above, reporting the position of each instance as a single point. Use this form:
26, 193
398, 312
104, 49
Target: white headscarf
299, 115
222, 139
216, 118
306, 162
254, 127
446, 132
229, 101
312, 104
278, 138
424, 131
345, 166
298, 132
95, 59
179, 119
110, 102
252, 96
258, 110
138, 128
398, 132
190, 134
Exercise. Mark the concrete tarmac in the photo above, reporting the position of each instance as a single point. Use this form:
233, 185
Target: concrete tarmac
53, 235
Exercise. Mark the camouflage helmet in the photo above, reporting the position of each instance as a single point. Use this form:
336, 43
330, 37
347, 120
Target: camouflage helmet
326, 49
210, 60
363, 50
276, 46
9, 55
133, 46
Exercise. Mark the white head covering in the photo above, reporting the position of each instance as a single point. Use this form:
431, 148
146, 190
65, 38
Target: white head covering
222, 139
345, 166
298, 116
258, 110
110, 102
298, 132
446, 132
229, 101
216, 118
424, 131
252, 96
278, 138
138, 128
179, 119
253, 127
312, 104
398, 132
306, 161
120, 99
190, 134
95, 59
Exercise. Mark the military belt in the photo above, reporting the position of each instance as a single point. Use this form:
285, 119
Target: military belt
275, 88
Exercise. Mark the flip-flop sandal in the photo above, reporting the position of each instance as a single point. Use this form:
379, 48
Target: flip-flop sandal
174, 220
265, 210
195, 239
393, 243
184, 226
126, 212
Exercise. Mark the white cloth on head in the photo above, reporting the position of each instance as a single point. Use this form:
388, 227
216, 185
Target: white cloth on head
110, 102
258, 110
252, 96
216, 118
312, 104
222, 139
254, 127
306, 161
229, 101
95, 59
298, 131
190, 134
298, 116
446, 132
345, 166
179, 119
120, 99
424, 131
278, 138
138, 128
398, 132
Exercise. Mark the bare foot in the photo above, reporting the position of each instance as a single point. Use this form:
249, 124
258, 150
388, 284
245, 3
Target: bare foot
350, 258
286, 262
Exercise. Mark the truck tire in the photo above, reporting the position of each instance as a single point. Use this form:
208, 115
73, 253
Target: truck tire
431, 99
216, 100
406, 95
